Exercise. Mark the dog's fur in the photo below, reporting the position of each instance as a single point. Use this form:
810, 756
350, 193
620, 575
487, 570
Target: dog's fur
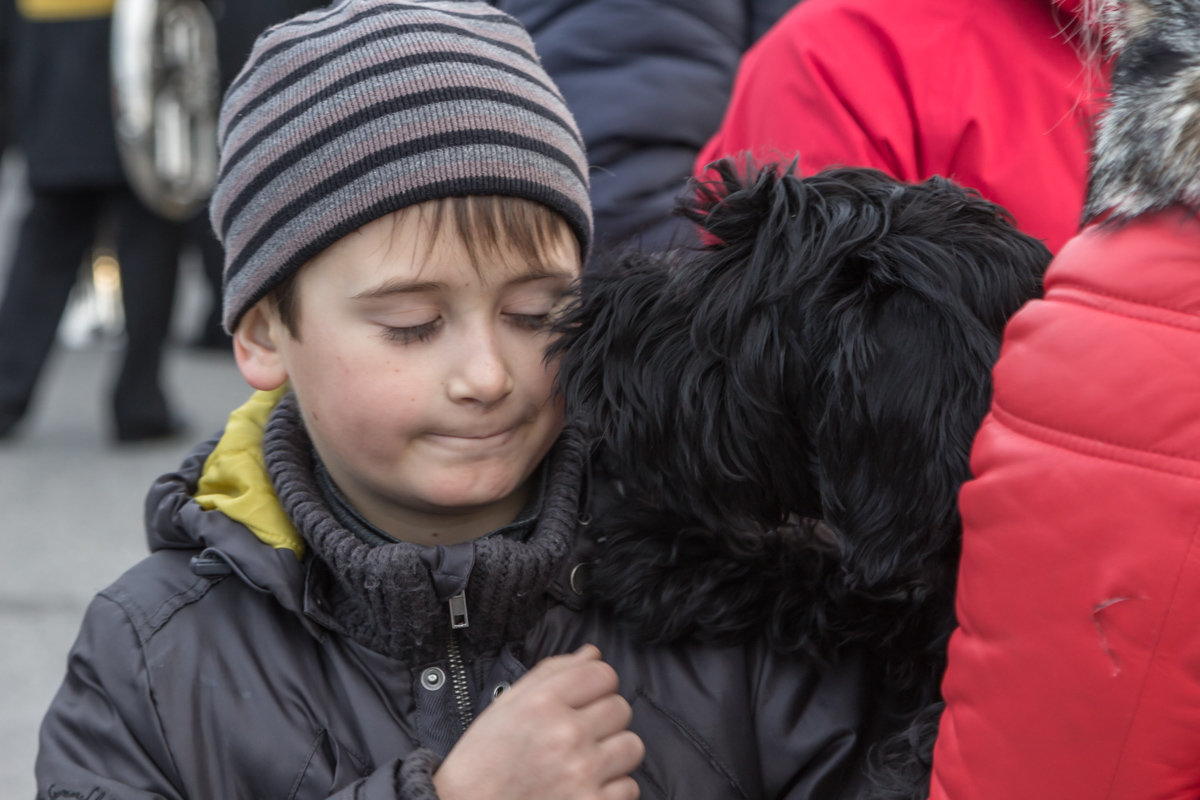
790, 412
1147, 152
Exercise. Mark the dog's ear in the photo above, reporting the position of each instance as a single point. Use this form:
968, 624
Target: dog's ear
914, 325
913, 337
908, 386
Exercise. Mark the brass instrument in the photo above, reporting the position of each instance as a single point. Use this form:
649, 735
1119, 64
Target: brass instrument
166, 97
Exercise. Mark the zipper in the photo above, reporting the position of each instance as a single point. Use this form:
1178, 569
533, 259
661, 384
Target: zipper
458, 669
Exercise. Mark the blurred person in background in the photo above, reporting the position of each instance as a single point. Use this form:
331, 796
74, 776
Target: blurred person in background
647, 80
993, 94
1075, 670
7, 14
240, 23
63, 126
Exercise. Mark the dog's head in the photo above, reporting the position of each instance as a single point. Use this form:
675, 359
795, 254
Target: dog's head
829, 357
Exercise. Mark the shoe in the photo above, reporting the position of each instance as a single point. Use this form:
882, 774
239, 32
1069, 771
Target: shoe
143, 432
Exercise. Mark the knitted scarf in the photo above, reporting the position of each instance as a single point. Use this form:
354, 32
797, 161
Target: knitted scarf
385, 596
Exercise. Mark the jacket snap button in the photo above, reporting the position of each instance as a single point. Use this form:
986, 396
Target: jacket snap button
580, 573
500, 689
433, 679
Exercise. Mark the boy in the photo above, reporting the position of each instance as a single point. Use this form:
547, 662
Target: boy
372, 585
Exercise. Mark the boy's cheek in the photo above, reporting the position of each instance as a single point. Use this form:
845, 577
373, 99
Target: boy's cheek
553, 396
557, 409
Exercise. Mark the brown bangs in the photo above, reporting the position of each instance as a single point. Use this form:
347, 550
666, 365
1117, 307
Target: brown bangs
492, 224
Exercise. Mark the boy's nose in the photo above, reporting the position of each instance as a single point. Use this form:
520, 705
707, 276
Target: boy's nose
481, 374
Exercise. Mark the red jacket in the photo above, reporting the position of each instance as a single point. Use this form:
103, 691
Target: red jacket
1075, 674
989, 93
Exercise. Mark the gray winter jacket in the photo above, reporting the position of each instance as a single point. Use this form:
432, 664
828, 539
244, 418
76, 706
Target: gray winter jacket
249, 660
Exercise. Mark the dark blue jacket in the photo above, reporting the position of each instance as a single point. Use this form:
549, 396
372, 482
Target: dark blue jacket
62, 112
8, 14
648, 81
239, 24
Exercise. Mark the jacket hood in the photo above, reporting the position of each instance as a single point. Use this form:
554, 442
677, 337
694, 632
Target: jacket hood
235, 479
220, 501
1147, 153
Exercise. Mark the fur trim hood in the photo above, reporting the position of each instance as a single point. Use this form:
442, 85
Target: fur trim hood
1147, 153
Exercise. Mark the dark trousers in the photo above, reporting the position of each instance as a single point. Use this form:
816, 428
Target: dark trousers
212, 260
58, 231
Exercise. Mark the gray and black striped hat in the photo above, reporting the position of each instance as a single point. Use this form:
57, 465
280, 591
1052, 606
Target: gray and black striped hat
351, 112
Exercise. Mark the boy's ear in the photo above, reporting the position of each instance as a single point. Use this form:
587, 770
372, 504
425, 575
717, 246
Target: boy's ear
255, 347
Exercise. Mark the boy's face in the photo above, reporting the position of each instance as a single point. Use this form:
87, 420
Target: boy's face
421, 379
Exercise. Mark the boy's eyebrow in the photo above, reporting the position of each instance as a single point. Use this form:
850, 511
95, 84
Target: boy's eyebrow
392, 287
541, 273
397, 287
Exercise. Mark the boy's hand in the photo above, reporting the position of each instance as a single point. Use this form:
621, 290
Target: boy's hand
560, 733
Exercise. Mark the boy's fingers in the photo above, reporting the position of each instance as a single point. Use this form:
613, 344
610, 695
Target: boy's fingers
621, 755
587, 651
621, 789
582, 682
606, 716
556, 664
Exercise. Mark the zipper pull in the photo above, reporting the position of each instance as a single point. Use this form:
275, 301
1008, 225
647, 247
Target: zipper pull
458, 610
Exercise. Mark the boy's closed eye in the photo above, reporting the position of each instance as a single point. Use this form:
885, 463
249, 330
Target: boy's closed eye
530, 322
423, 332
412, 333
414, 312
419, 325
408, 324
533, 306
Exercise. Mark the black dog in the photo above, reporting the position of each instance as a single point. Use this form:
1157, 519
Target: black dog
790, 411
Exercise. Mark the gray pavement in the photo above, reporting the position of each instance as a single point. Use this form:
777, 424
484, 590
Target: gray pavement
71, 508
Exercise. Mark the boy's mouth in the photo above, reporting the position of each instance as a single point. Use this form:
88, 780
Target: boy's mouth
477, 438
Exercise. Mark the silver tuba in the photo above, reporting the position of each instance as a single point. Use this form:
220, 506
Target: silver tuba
166, 96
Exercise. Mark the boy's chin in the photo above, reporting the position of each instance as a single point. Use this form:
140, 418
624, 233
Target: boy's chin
468, 497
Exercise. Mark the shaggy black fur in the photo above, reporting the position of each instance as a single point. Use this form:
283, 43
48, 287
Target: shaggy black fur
828, 359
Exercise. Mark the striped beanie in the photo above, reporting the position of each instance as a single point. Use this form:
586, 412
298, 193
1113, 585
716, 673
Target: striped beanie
348, 113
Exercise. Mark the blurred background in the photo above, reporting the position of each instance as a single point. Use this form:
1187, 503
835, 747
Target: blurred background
70, 502
112, 362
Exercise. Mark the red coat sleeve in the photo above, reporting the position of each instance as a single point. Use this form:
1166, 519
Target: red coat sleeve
801, 93
1075, 672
